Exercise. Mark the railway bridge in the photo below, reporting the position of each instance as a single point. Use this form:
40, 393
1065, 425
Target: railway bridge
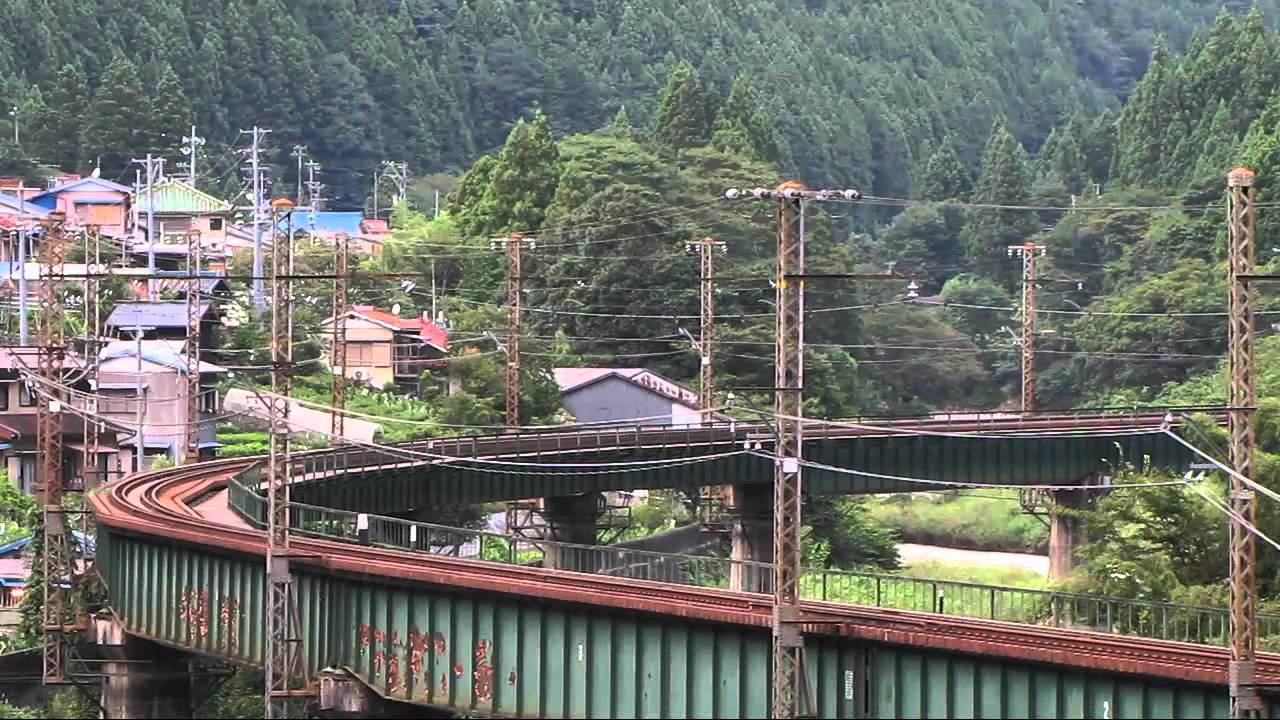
396, 613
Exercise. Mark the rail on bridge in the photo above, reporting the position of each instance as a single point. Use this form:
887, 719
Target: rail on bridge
856, 457
457, 618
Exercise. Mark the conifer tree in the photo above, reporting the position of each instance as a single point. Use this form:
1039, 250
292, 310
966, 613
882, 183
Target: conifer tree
685, 110
1219, 144
945, 176
169, 115
1004, 180
742, 127
58, 129
116, 117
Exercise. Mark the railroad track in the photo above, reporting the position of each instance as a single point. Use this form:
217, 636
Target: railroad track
160, 504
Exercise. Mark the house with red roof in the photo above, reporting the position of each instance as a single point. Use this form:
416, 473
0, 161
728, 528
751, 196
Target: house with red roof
384, 348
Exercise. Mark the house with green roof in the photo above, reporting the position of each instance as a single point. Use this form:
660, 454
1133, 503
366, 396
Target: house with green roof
180, 209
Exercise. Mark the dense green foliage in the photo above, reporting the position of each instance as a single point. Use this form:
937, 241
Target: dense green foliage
859, 92
974, 520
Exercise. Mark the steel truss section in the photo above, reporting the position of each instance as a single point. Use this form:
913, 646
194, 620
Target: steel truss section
58, 564
1242, 398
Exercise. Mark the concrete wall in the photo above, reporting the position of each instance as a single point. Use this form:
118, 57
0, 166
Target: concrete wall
617, 399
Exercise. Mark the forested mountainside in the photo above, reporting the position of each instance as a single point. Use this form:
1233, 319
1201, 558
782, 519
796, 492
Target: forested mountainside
858, 92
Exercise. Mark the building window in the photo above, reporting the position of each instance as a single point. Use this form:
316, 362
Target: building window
24, 395
215, 224
360, 354
27, 473
209, 401
4, 396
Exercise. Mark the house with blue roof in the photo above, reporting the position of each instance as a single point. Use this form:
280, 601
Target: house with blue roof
367, 234
91, 201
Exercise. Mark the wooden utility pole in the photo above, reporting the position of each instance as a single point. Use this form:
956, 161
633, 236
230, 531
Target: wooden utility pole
191, 448
514, 245
58, 566
283, 641
1028, 251
1242, 398
338, 350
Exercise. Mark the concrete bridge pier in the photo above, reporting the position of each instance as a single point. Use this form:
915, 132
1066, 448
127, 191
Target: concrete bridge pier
142, 679
343, 695
1066, 531
752, 537
571, 519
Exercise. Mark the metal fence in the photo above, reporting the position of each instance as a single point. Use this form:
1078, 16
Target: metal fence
1166, 621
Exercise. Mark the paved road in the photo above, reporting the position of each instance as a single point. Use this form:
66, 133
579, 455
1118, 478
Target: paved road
916, 553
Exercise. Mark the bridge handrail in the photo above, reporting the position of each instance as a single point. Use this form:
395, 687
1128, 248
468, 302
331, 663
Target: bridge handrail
1126, 616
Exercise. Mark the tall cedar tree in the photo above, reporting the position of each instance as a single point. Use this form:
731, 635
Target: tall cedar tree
169, 115
59, 127
945, 176
118, 115
510, 192
686, 110
1004, 180
742, 127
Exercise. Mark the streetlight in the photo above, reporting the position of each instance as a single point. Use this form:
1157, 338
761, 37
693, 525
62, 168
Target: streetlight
13, 113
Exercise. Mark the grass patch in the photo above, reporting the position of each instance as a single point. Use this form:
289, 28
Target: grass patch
992, 520
977, 574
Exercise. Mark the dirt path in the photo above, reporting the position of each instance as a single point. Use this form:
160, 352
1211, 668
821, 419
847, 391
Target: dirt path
916, 553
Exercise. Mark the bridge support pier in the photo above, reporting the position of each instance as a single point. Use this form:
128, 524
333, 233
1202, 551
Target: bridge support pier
141, 679
343, 695
571, 519
752, 537
1066, 531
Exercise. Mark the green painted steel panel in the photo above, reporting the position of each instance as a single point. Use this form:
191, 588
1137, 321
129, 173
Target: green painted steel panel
512, 656
993, 459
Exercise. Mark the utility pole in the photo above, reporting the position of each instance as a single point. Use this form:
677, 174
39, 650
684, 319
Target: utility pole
706, 249
191, 149
58, 566
396, 172
338, 351
299, 152
92, 321
1241, 422
257, 135
791, 694
313, 192
139, 406
24, 240
788, 641
514, 245
283, 641
191, 448
1028, 251
154, 168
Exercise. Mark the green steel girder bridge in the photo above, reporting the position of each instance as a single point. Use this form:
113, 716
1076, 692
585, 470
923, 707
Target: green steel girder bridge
183, 561
966, 449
